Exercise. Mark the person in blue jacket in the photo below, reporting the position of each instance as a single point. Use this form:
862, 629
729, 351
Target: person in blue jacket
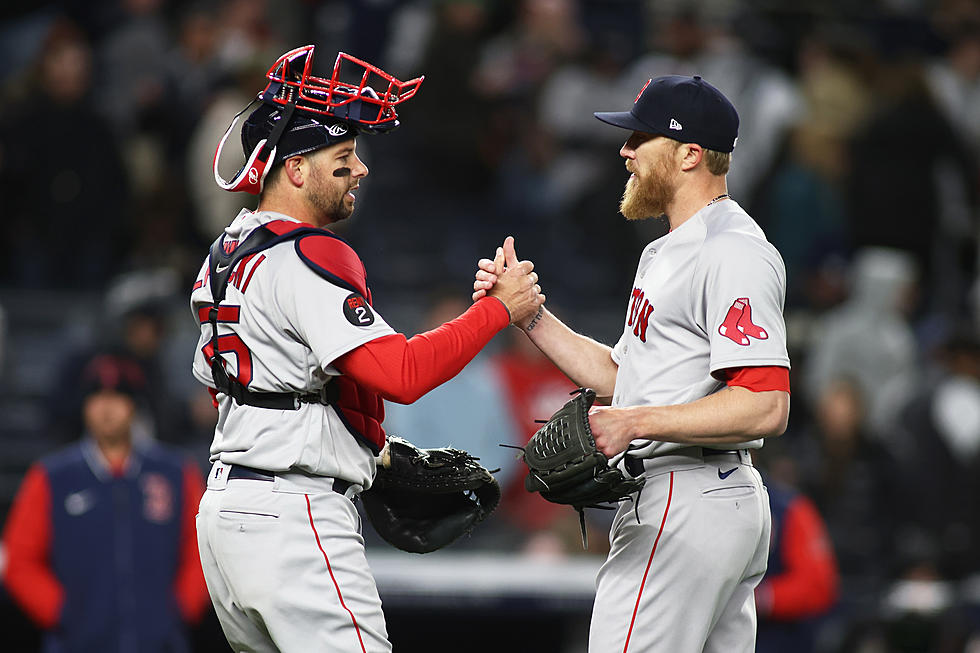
100, 541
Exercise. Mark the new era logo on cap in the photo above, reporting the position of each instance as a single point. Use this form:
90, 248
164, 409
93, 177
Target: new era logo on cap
675, 125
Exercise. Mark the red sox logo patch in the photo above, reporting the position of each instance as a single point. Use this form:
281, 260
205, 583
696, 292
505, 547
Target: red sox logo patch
358, 311
158, 498
738, 326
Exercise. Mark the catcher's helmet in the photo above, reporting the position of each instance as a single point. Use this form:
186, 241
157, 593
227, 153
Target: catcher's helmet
300, 113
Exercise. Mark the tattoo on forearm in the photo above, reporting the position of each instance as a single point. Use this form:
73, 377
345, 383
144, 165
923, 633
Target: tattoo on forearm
534, 320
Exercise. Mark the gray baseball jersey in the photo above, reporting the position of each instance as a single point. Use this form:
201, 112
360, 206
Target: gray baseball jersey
291, 324
686, 556
707, 296
284, 559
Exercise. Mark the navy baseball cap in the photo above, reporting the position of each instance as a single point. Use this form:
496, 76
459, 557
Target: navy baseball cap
687, 109
112, 372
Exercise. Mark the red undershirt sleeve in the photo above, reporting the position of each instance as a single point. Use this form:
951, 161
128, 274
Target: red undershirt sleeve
27, 541
758, 379
189, 587
402, 370
808, 585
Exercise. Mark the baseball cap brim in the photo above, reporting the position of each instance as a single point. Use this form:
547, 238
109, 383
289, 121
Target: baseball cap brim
624, 119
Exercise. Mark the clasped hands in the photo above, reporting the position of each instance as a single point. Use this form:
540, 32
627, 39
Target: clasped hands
612, 428
513, 282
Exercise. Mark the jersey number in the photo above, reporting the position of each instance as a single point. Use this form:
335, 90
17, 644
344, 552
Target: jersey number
231, 344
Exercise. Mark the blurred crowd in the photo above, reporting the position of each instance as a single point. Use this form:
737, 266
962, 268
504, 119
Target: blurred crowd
858, 155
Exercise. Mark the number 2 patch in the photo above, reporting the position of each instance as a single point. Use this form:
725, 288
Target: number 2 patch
357, 311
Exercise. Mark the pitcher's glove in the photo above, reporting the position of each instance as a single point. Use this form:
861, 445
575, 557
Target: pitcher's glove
565, 466
424, 499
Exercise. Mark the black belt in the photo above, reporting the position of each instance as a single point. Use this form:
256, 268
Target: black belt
276, 400
635, 465
340, 486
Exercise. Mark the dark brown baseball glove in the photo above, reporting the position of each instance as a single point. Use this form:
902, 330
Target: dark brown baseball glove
565, 466
424, 499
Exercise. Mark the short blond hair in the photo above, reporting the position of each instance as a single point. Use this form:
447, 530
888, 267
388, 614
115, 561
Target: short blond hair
717, 162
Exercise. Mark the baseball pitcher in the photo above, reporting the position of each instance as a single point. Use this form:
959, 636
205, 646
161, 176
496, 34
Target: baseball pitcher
699, 377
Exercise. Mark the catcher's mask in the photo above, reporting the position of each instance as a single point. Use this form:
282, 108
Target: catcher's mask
301, 113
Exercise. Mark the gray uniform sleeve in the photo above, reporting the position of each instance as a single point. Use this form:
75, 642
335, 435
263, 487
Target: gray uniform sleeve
740, 290
330, 319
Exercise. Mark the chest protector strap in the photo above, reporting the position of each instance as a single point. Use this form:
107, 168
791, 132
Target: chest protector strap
221, 264
360, 410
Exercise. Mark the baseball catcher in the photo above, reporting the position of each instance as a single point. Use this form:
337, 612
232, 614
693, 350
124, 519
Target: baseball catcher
565, 466
424, 499
300, 362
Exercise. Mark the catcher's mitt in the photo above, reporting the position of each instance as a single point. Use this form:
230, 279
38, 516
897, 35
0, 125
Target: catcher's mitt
423, 499
565, 466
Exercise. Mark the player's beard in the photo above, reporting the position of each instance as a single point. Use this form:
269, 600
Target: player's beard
649, 197
328, 196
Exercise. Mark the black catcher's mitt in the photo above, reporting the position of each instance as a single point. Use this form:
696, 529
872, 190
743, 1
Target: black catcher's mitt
423, 499
565, 466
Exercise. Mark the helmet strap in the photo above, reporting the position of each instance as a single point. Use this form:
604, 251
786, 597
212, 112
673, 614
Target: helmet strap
251, 177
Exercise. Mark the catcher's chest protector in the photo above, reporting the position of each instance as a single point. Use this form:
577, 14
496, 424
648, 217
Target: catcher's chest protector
361, 410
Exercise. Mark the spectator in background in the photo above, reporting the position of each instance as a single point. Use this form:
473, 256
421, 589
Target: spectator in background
191, 65
913, 183
544, 35
802, 580
542, 77
451, 55
869, 338
100, 541
802, 205
852, 480
246, 31
954, 78
937, 437
210, 204
517, 149
555, 179
135, 325
61, 175
133, 57
449, 117
693, 39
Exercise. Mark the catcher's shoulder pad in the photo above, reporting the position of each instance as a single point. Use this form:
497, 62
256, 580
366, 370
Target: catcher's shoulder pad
329, 256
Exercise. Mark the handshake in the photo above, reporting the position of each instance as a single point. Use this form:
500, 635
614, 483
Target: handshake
513, 282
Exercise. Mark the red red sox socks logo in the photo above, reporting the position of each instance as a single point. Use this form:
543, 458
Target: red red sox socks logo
738, 323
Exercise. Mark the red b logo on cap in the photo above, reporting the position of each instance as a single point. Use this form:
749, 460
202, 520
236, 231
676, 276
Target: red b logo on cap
641, 91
